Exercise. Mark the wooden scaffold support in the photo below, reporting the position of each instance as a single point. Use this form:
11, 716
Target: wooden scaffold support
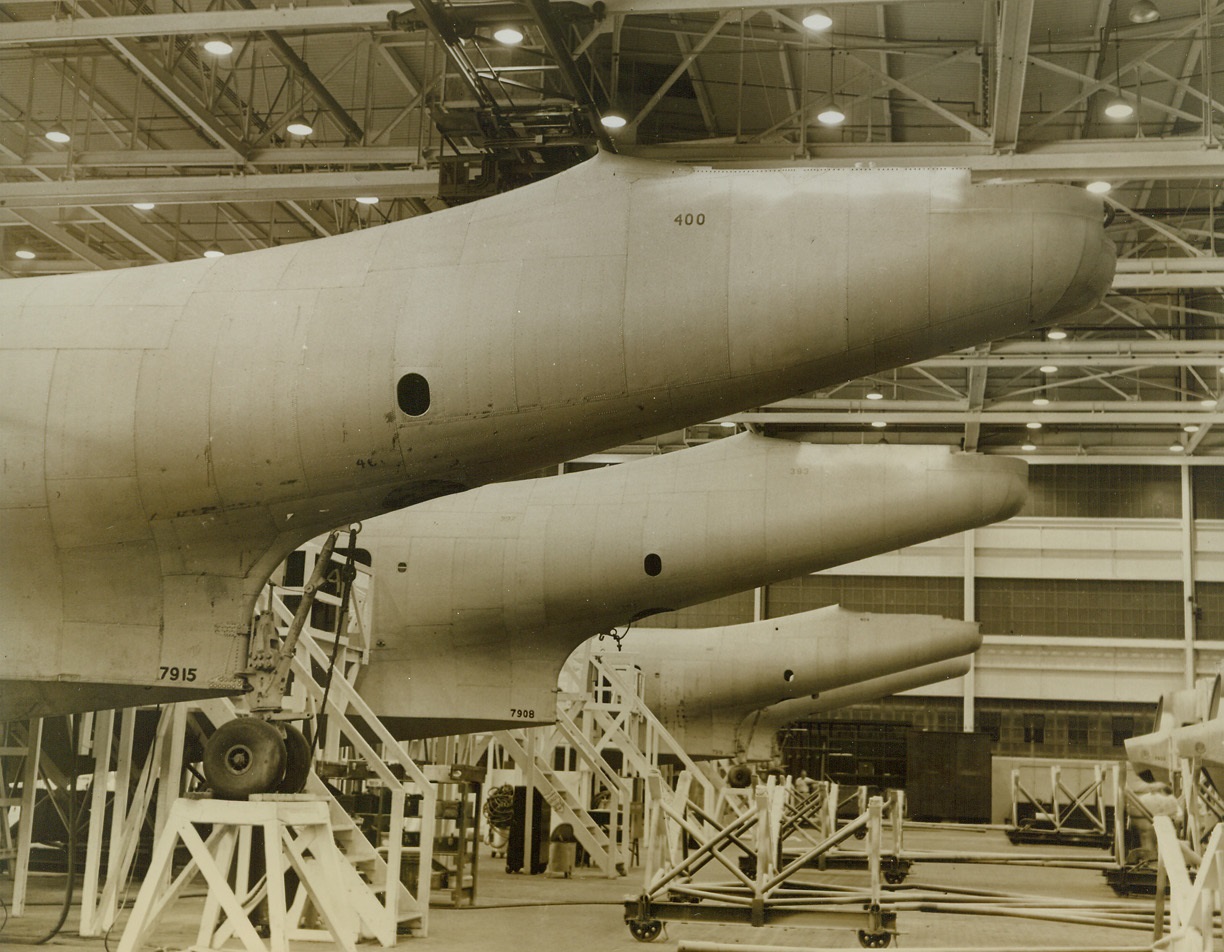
297, 838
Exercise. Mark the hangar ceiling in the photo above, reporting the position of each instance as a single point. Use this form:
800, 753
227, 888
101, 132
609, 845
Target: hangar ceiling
417, 105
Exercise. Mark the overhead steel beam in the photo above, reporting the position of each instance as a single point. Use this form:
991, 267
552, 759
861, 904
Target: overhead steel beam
1114, 159
51, 229
646, 7
1151, 282
74, 29
205, 158
296, 65
1125, 415
976, 400
1015, 25
220, 188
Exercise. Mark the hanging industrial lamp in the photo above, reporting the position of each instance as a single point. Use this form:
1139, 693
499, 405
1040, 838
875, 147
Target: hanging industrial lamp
1143, 12
218, 46
817, 19
831, 115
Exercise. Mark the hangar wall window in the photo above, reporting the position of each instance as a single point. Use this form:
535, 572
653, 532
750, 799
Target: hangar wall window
1034, 728
1208, 492
652, 564
1084, 608
1209, 600
1104, 492
869, 593
1122, 728
989, 722
731, 610
412, 394
1077, 731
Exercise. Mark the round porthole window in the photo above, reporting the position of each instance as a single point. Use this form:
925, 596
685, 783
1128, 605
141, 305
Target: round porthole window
412, 394
788, 675
652, 564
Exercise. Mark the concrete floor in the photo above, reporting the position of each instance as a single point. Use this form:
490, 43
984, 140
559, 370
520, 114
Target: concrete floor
584, 913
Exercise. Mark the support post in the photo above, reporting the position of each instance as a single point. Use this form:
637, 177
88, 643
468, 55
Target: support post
25, 825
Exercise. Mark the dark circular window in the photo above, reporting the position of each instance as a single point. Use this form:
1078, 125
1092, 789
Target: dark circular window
788, 675
412, 394
652, 564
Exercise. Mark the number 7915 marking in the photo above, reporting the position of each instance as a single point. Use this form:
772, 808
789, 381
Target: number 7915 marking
175, 673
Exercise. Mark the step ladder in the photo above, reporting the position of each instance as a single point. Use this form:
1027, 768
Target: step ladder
598, 842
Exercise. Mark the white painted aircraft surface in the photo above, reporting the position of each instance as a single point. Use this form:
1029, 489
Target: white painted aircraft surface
754, 737
169, 434
480, 597
705, 684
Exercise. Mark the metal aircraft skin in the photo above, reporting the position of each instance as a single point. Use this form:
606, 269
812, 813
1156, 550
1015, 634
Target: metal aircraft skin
171, 433
1187, 725
754, 738
479, 598
704, 683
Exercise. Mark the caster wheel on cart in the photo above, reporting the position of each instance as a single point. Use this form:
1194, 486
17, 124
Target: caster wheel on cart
645, 931
874, 940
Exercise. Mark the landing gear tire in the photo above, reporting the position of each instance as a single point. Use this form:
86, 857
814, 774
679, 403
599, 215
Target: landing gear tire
874, 940
297, 761
243, 757
645, 931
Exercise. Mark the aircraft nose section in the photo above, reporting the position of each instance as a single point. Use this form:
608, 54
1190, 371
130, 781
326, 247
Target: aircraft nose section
1073, 259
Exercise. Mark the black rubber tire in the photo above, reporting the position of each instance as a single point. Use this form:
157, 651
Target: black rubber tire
244, 756
645, 931
297, 761
740, 776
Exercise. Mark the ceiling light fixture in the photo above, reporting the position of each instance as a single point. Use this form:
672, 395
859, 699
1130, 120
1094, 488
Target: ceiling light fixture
613, 120
831, 116
144, 206
878, 424
508, 35
1209, 404
728, 424
1033, 425
817, 20
1191, 427
25, 254
1177, 448
1048, 369
218, 46
299, 126
1099, 187
366, 199
1041, 401
57, 133
874, 395
1029, 447
1144, 11
1055, 333
213, 252
1118, 108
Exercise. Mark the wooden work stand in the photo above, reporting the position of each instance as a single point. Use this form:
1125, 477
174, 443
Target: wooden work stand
297, 836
